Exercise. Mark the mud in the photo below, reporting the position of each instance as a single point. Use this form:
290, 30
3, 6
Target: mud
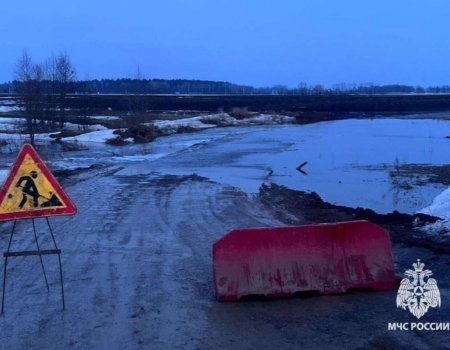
138, 274
137, 257
299, 208
420, 173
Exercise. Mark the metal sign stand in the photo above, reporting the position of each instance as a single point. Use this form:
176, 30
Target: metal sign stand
37, 252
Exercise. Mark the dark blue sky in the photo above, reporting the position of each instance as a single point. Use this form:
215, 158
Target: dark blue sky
251, 42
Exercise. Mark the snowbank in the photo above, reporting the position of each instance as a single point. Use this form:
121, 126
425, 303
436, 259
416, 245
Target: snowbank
12, 137
6, 109
43, 137
6, 120
7, 101
440, 206
168, 127
266, 119
100, 134
16, 139
224, 119
11, 124
104, 117
78, 127
94, 136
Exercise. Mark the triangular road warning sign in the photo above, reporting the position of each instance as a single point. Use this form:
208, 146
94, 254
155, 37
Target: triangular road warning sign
30, 190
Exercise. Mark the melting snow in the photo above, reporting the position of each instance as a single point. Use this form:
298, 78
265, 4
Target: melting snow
440, 207
222, 119
6, 109
172, 126
10, 124
10, 120
96, 127
104, 117
94, 136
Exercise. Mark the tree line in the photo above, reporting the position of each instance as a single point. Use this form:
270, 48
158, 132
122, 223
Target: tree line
185, 86
57, 74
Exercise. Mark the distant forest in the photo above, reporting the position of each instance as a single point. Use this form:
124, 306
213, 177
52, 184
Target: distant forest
183, 86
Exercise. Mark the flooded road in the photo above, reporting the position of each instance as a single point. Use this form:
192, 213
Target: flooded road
137, 256
349, 162
138, 274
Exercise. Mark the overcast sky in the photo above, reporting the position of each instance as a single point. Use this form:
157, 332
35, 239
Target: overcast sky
259, 43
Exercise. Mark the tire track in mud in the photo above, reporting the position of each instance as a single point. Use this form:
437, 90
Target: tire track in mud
186, 223
136, 261
138, 274
89, 268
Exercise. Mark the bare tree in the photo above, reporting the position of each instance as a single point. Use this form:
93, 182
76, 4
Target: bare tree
138, 102
50, 90
318, 89
64, 74
28, 77
302, 88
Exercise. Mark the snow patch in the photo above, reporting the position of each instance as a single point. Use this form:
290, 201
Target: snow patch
7, 101
10, 120
94, 136
6, 109
168, 127
12, 137
219, 119
78, 127
104, 117
43, 137
440, 207
172, 126
224, 119
11, 124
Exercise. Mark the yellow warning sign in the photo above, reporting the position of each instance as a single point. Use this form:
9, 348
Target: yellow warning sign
30, 190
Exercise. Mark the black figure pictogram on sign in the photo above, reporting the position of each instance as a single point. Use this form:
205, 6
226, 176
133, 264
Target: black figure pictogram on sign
29, 189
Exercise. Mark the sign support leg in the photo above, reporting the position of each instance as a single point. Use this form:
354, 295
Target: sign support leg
60, 265
6, 262
40, 256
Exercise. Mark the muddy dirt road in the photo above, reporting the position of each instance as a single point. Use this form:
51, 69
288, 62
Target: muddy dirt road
138, 275
137, 266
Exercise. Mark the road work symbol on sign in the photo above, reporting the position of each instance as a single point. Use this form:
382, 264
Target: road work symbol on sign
30, 190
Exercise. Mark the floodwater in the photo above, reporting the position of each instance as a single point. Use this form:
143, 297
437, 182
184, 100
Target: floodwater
348, 161
137, 256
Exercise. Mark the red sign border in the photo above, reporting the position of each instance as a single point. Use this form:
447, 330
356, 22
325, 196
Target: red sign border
70, 208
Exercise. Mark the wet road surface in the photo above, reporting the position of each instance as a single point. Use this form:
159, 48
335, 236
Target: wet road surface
138, 275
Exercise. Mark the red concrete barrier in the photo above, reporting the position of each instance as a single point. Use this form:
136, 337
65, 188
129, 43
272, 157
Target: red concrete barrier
278, 262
